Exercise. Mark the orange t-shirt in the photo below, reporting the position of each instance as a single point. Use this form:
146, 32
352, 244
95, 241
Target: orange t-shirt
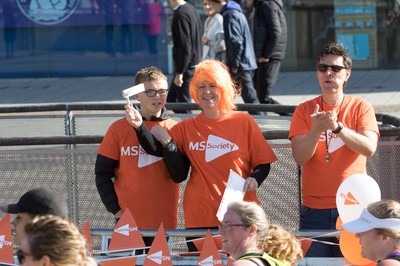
214, 146
142, 181
321, 180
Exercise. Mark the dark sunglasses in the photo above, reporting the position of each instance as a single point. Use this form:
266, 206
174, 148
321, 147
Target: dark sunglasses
22, 255
334, 68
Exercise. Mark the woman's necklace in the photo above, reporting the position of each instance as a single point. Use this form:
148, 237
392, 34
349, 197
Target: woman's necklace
327, 143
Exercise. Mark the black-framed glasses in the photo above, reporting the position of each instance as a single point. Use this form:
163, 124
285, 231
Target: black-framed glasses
335, 68
224, 227
21, 255
152, 93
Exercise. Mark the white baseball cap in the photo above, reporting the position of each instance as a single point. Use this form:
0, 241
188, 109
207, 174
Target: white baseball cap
367, 221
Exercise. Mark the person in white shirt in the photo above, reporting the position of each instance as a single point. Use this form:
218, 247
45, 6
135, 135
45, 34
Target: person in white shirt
213, 38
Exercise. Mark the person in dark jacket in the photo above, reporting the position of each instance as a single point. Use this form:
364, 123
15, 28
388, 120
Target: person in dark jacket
270, 39
249, 11
187, 50
240, 57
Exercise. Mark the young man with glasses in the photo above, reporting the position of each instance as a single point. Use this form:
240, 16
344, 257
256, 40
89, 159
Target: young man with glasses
129, 178
332, 136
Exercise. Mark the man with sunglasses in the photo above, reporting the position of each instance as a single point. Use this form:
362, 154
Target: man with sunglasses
332, 136
129, 178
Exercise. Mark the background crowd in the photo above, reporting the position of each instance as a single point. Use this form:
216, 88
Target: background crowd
251, 46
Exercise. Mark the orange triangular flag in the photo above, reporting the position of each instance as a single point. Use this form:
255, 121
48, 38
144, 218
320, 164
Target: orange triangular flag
86, 234
126, 234
119, 262
6, 244
305, 245
159, 253
198, 242
209, 253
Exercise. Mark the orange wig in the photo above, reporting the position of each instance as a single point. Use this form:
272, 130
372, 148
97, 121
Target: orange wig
213, 71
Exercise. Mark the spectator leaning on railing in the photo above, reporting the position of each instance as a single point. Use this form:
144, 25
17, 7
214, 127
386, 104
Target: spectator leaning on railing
332, 135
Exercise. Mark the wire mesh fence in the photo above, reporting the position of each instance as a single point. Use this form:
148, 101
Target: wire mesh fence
69, 166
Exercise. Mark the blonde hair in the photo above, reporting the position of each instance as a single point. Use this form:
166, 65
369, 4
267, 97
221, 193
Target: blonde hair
386, 209
271, 238
57, 238
213, 71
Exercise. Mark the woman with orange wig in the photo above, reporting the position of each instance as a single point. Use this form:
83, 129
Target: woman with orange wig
216, 141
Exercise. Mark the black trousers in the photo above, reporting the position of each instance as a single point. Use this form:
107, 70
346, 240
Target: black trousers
181, 94
244, 78
266, 77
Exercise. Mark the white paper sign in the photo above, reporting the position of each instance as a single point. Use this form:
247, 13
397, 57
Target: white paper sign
233, 192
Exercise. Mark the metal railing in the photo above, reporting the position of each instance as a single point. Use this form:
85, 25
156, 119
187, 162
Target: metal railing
55, 145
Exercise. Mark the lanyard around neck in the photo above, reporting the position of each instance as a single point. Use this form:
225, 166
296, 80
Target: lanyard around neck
327, 143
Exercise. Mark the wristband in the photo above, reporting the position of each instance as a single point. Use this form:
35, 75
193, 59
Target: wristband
339, 128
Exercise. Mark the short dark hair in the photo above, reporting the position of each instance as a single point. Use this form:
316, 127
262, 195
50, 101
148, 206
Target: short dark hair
149, 74
335, 49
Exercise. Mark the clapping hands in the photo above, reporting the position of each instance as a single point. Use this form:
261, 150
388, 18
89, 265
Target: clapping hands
324, 120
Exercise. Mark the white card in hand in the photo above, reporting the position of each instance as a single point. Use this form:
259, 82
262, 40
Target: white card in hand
233, 192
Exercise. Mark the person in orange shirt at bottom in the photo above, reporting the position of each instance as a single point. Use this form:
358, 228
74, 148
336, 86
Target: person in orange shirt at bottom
216, 141
331, 135
141, 183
